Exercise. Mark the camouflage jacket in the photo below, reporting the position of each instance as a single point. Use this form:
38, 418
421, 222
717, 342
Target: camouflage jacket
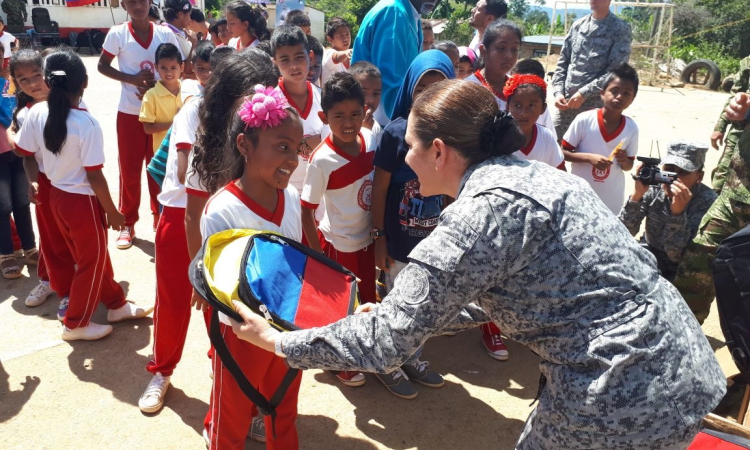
737, 186
665, 232
16, 11
591, 49
723, 123
535, 250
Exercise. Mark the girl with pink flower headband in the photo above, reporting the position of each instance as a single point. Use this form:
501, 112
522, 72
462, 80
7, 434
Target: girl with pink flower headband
263, 138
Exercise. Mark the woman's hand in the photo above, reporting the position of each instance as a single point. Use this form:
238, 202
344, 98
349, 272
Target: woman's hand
366, 307
576, 101
561, 103
254, 329
197, 302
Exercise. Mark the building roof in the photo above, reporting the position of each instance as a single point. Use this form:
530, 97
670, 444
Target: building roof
544, 39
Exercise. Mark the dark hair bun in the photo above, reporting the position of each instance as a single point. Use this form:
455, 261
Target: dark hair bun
500, 135
57, 79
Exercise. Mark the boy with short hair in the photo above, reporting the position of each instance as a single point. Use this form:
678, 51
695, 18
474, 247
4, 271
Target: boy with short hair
339, 176
136, 74
8, 41
428, 35
300, 19
337, 58
162, 102
201, 69
292, 55
673, 212
533, 67
316, 63
602, 143
220, 34
368, 76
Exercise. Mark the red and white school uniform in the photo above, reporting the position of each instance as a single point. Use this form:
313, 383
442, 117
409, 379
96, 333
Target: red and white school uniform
236, 44
344, 184
135, 147
478, 78
173, 288
543, 148
548, 122
587, 134
330, 67
312, 126
7, 40
56, 264
75, 208
230, 411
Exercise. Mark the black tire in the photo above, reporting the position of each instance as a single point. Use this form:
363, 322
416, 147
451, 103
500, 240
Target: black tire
727, 84
713, 81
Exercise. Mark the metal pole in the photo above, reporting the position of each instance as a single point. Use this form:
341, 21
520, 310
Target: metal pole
551, 32
566, 18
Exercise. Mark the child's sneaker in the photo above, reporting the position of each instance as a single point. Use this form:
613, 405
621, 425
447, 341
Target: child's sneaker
125, 239
39, 294
127, 312
418, 371
258, 429
495, 346
90, 332
398, 384
153, 397
351, 379
62, 308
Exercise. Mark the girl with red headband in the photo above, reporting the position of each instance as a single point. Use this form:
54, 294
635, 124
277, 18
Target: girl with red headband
526, 96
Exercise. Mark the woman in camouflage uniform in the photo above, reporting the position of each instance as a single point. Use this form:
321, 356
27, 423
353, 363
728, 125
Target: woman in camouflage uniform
535, 250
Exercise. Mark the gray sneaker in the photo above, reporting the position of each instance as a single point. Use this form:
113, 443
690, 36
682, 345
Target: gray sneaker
258, 428
398, 384
418, 371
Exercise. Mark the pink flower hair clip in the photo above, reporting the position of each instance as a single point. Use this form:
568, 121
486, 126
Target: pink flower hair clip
265, 109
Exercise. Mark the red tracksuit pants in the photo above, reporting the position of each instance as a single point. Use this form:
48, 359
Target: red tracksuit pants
230, 412
134, 149
56, 263
173, 292
83, 225
361, 263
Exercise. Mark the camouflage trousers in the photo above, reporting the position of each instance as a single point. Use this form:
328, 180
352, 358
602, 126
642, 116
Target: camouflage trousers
563, 119
719, 175
694, 277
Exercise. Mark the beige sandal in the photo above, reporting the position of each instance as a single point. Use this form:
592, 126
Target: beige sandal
31, 257
9, 267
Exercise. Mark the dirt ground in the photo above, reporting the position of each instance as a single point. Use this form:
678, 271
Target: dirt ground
56, 395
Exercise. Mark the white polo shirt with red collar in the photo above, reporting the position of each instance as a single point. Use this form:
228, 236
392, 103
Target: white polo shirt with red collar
182, 139
83, 149
543, 148
312, 126
344, 184
587, 134
134, 55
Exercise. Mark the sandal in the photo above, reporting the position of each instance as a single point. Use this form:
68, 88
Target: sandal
9, 267
31, 257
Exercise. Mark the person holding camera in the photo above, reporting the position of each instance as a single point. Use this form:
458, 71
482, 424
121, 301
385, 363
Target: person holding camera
673, 211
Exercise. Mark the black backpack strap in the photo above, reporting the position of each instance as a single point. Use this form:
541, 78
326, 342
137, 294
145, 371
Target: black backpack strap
264, 406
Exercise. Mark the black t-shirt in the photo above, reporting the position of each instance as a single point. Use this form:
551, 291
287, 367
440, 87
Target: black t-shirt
409, 217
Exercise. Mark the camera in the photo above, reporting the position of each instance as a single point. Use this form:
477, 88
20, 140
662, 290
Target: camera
651, 174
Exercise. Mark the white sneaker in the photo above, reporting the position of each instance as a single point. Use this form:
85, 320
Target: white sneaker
153, 398
127, 312
125, 239
39, 294
258, 429
90, 332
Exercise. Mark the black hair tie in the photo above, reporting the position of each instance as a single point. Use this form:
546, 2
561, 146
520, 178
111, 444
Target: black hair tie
493, 130
58, 79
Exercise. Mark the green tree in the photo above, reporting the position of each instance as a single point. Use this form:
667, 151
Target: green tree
536, 22
517, 9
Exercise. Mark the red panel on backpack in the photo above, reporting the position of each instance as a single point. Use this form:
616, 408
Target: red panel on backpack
328, 301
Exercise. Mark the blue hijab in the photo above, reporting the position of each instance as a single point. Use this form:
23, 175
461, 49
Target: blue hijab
424, 62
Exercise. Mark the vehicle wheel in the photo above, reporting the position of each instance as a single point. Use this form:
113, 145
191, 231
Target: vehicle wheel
703, 72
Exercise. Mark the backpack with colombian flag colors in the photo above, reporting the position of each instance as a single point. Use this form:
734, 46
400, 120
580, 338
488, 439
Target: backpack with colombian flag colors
291, 285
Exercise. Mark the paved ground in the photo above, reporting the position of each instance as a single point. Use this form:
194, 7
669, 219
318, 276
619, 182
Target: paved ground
56, 395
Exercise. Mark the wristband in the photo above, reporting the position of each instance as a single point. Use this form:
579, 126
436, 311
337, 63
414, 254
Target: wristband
277, 347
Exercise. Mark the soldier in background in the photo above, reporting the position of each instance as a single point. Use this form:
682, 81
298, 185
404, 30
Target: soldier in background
728, 215
672, 212
16, 11
741, 83
595, 45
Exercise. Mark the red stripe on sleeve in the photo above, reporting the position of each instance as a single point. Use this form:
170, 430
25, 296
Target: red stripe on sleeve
568, 146
107, 53
23, 152
90, 168
183, 146
308, 205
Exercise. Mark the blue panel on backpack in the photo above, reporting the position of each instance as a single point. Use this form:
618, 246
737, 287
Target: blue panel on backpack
275, 272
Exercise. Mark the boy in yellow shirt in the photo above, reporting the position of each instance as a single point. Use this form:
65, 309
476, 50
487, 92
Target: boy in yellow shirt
162, 102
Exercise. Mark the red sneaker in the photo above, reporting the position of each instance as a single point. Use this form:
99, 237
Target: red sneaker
494, 344
351, 379
125, 239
